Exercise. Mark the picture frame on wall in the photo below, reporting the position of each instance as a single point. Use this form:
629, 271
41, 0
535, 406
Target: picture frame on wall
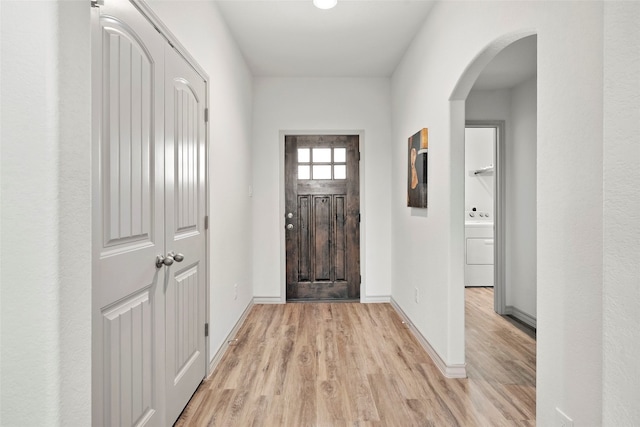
417, 169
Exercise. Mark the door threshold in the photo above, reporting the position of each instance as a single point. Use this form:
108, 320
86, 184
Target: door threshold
324, 300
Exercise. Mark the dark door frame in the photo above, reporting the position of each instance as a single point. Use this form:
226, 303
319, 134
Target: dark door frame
282, 298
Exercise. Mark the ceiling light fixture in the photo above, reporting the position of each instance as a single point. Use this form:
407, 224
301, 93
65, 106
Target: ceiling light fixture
325, 4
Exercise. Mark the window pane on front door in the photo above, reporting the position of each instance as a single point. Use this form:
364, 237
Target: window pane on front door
322, 155
340, 172
321, 171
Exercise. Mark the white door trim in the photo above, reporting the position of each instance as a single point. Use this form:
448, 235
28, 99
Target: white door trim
165, 32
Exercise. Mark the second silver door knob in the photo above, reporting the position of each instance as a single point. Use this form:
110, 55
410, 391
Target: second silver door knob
176, 257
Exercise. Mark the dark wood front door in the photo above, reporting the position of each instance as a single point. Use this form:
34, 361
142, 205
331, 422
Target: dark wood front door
322, 217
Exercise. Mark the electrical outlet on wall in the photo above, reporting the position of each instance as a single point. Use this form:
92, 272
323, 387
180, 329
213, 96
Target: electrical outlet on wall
562, 419
416, 295
235, 291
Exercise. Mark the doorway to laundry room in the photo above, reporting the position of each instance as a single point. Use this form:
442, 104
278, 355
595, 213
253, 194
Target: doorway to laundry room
483, 141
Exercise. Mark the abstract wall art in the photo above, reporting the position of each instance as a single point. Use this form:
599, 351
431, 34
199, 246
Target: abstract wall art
418, 155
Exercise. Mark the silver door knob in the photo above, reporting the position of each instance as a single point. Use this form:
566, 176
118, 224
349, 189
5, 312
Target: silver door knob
162, 260
289, 226
289, 215
176, 257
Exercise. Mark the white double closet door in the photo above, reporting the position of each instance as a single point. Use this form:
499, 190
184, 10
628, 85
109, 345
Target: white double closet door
149, 178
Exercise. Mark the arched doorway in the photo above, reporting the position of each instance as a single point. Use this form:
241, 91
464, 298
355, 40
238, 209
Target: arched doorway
503, 170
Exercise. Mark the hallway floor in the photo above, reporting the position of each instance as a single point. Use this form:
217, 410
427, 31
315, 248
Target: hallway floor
358, 365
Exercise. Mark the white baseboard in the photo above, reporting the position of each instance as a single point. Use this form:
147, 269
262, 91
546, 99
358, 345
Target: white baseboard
225, 344
268, 300
525, 318
449, 371
376, 299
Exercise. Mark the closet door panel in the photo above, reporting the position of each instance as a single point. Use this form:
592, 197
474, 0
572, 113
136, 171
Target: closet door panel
185, 235
128, 200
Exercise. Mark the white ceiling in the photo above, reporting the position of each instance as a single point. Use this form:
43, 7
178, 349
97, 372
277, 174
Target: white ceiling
292, 38
515, 64
357, 38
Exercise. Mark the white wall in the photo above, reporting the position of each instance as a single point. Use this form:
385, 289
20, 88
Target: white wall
489, 105
478, 153
569, 174
315, 104
621, 381
45, 370
200, 28
521, 195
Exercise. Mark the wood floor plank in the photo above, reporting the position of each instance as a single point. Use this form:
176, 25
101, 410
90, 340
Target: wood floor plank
275, 411
258, 414
351, 364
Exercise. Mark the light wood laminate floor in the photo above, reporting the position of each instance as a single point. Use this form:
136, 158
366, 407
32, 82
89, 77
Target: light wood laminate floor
350, 364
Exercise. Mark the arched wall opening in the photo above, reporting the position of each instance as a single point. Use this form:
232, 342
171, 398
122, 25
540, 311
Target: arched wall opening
457, 114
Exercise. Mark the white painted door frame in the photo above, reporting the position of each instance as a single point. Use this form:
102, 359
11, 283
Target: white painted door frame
499, 212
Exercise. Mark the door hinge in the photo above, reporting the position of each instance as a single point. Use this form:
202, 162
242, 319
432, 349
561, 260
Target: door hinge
359, 218
206, 329
360, 279
358, 156
206, 115
97, 3
206, 222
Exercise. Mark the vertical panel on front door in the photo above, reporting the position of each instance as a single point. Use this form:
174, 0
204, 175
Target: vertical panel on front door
340, 239
322, 238
304, 247
127, 149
